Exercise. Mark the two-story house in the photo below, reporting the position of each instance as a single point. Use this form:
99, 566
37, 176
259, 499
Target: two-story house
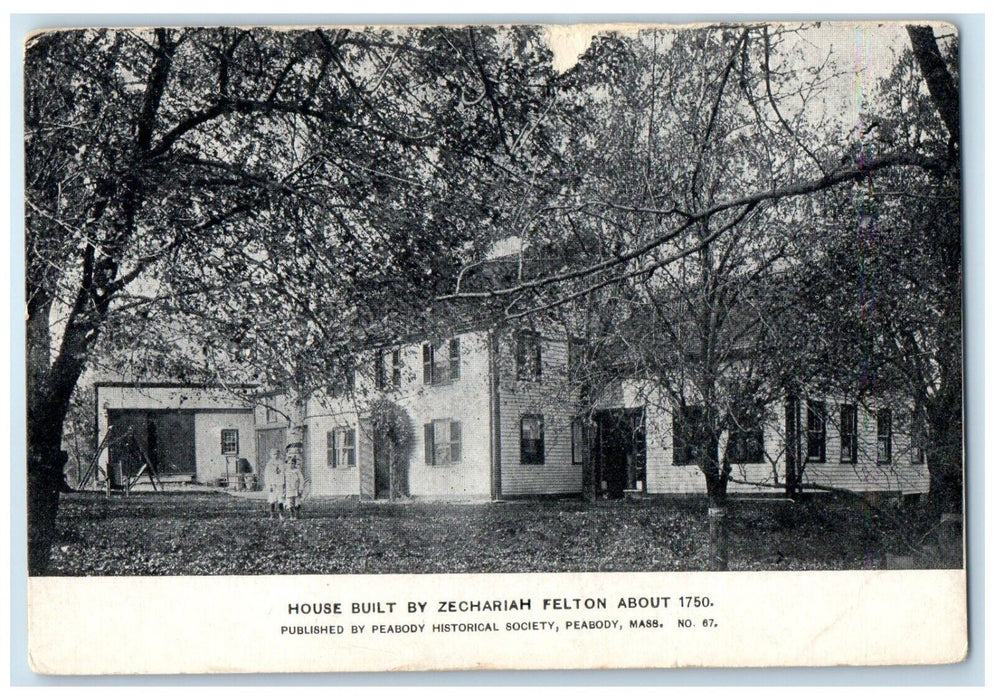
492, 415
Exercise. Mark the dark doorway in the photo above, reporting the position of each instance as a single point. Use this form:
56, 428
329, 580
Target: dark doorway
381, 464
165, 437
267, 440
620, 451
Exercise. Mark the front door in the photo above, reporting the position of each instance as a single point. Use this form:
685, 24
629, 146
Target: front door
381, 464
621, 451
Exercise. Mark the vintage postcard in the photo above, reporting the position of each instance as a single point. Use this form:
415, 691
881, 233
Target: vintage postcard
493, 347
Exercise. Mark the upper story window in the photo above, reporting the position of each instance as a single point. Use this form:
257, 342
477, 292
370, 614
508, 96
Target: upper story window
917, 438
576, 351
229, 441
815, 430
689, 427
443, 442
271, 415
441, 361
528, 355
884, 436
533, 447
388, 370
848, 433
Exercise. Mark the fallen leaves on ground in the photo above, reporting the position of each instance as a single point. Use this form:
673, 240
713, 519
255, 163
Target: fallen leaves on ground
209, 533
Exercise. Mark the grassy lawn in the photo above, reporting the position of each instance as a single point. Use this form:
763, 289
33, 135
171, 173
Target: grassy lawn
185, 533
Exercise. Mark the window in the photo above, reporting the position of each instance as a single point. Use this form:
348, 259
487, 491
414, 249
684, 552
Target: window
746, 440
576, 349
816, 431
384, 380
443, 442
577, 441
441, 361
848, 433
340, 446
528, 355
689, 426
884, 436
532, 440
343, 382
271, 414
229, 441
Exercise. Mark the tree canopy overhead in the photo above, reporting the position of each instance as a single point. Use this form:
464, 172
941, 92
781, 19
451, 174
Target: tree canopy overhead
260, 203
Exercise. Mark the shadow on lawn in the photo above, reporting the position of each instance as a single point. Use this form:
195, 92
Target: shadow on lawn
189, 534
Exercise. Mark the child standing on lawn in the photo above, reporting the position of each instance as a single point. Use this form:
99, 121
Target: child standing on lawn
293, 486
276, 474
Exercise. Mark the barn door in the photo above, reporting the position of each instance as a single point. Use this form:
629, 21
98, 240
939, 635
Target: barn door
171, 444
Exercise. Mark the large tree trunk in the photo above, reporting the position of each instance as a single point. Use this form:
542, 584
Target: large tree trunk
716, 481
45, 464
49, 388
296, 426
945, 456
942, 87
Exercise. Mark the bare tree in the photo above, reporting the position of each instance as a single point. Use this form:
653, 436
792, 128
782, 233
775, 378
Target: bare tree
687, 202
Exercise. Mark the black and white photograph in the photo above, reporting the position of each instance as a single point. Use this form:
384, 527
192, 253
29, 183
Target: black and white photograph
487, 299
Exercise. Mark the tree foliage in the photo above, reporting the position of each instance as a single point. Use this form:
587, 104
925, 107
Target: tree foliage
229, 205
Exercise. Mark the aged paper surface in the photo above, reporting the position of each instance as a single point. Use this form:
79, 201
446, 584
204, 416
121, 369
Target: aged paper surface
84, 622
245, 624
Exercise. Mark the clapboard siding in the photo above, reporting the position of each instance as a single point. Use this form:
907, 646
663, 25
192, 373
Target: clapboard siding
211, 464
866, 475
553, 398
465, 400
663, 476
212, 409
323, 416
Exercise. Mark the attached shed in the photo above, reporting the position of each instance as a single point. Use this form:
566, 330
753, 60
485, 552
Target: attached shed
188, 433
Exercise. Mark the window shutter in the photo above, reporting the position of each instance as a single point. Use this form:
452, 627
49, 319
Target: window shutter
454, 358
542, 441
429, 444
455, 440
426, 355
396, 371
379, 371
538, 355
332, 449
351, 454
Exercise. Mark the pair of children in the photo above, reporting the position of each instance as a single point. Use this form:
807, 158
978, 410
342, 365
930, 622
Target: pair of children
284, 485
